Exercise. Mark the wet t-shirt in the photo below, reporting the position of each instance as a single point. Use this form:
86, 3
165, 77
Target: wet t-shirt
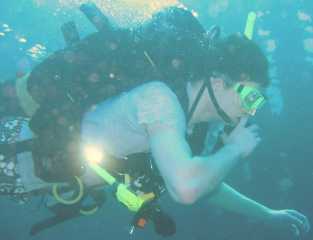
118, 126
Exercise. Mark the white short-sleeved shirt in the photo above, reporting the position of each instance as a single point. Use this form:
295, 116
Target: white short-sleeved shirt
118, 125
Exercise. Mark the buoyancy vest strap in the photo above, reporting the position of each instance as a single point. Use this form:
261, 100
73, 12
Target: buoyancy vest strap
25, 99
17, 147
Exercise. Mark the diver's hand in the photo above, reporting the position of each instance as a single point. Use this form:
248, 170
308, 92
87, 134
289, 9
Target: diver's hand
244, 138
289, 220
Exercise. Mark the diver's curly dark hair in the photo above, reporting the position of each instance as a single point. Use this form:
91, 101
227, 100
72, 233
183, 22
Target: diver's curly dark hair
236, 55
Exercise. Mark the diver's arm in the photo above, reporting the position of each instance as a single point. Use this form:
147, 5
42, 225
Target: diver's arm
229, 199
188, 178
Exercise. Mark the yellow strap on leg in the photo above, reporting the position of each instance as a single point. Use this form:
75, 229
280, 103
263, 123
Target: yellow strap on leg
90, 211
59, 198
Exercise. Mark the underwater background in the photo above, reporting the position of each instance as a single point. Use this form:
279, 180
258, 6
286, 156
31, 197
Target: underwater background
278, 174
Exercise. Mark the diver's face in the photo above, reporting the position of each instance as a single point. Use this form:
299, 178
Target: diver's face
228, 99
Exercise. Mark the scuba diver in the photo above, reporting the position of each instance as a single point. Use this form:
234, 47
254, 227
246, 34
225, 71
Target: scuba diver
116, 109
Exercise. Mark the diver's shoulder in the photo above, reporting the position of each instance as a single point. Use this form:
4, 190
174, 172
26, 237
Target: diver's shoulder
155, 88
156, 84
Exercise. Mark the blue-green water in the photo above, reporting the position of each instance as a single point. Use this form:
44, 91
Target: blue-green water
280, 173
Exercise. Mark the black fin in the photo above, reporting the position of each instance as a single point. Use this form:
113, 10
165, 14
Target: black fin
64, 213
53, 221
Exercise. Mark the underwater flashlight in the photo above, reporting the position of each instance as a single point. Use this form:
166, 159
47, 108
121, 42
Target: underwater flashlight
93, 154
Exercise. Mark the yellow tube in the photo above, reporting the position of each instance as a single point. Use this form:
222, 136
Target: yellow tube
103, 174
250, 25
123, 194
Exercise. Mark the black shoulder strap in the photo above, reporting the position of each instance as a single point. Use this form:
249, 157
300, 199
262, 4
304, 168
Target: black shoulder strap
219, 110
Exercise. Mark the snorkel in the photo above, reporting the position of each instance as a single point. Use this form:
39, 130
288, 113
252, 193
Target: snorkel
250, 23
251, 98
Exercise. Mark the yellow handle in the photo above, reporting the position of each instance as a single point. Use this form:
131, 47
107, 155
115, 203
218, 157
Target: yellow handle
129, 199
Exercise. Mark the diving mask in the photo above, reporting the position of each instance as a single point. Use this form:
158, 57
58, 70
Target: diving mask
251, 98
